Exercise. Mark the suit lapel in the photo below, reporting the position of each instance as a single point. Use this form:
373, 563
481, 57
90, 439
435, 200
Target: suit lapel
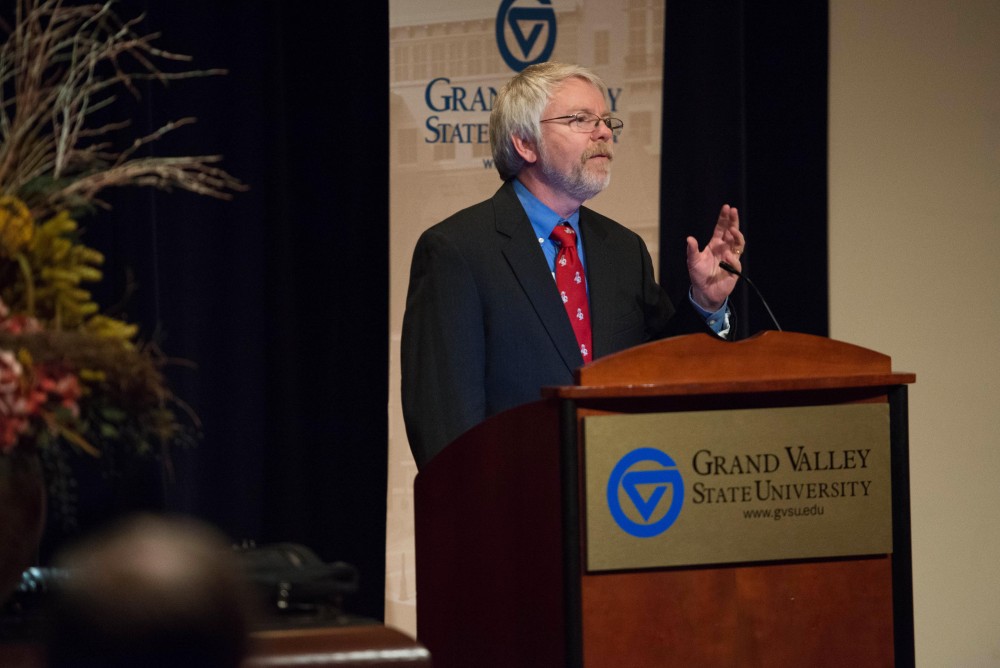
600, 265
520, 248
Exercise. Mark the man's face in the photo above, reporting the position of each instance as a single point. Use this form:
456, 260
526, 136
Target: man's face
576, 163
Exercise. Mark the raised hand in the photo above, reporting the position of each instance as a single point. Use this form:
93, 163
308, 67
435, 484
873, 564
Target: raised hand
710, 284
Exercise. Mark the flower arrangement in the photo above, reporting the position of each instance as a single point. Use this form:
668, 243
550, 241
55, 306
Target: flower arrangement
71, 376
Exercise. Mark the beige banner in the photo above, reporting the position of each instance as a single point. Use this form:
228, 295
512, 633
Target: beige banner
678, 489
447, 59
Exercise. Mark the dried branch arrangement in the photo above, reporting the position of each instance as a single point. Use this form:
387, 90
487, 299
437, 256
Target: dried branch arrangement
59, 67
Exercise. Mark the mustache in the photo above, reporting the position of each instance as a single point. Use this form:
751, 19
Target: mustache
599, 149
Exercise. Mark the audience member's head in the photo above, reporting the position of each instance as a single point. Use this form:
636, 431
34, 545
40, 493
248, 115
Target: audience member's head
151, 591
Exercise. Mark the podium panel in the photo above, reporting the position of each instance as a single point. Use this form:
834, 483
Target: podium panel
829, 613
506, 574
708, 487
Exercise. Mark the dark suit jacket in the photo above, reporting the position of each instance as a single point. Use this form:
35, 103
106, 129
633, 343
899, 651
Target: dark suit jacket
485, 329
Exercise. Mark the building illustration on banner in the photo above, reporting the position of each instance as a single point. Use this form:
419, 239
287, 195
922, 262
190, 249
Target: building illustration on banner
447, 61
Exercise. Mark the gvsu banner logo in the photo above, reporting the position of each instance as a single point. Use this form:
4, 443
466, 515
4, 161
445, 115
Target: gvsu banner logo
646, 513
526, 34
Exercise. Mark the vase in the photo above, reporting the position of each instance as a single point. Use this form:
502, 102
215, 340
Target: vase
22, 516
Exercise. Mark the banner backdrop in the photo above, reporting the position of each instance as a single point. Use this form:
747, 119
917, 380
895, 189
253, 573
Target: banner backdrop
447, 61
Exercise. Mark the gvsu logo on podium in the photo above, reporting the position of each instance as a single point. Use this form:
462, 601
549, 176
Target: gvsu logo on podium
526, 33
645, 475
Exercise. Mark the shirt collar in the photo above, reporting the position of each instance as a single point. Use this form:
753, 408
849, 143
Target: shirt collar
543, 219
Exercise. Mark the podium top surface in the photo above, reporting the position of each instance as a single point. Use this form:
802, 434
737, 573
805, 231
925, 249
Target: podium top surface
702, 364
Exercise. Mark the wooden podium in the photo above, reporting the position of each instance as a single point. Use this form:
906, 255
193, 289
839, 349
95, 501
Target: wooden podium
501, 534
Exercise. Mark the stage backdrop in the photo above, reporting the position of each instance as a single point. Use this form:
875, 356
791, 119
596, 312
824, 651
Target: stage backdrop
447, 61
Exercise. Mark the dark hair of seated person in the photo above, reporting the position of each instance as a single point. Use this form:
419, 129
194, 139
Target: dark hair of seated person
151, 591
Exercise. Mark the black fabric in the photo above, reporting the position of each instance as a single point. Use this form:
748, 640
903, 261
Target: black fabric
292, 582
279, 297
745, 123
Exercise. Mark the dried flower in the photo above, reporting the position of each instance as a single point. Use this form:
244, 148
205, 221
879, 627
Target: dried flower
64, 64
13, 418
16, 225
35, 400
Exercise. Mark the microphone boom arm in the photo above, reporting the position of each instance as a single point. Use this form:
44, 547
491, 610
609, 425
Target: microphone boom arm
736, 272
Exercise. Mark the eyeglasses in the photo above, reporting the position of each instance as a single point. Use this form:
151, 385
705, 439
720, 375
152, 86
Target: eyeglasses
588, 122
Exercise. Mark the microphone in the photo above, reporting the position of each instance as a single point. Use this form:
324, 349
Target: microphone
736, 272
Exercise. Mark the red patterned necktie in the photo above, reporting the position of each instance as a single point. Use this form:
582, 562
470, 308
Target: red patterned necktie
572, 284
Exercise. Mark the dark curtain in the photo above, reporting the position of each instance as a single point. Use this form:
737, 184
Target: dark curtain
745, 123
278, 299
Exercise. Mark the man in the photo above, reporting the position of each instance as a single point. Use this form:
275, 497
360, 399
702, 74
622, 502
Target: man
486, 326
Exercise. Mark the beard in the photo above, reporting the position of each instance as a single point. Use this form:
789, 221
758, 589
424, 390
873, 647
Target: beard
584, 180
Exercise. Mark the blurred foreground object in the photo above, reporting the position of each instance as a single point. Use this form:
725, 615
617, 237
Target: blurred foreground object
151, 591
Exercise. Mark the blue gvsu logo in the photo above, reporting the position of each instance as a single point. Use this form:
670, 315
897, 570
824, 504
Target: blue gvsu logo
637, 492
526, 33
